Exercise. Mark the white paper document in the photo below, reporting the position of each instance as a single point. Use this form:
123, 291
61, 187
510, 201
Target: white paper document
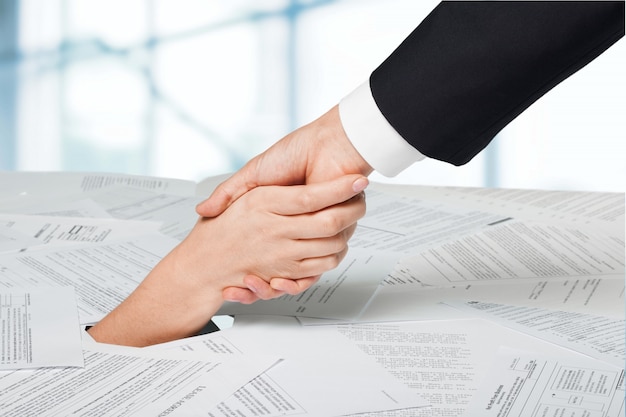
55, 230
103, 275
26, 189
527, 384
515, 250
322, 373
55, 183
39, 328
407, 225
583, 207
127, 382
443, 361
598, 296
10, 239
176, 214
599, 337
83, 207
340, 293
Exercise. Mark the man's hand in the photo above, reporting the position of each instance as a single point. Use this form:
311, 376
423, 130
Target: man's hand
319, 151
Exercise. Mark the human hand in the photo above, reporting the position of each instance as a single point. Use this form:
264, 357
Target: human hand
319, 151
276, 231
316, 152
269, 232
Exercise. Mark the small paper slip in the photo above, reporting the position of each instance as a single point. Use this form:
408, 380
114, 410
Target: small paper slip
39, 328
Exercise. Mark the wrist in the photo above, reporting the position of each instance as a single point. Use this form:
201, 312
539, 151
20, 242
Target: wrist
334, 146
167, 305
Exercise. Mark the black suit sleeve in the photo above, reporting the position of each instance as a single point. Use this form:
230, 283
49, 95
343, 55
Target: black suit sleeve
471, 67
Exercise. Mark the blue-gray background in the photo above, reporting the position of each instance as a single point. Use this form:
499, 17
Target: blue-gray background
193, 88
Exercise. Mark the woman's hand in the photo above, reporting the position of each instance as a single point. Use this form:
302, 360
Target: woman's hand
295, 232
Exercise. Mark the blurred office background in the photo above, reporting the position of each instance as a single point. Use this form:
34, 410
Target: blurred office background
194, 88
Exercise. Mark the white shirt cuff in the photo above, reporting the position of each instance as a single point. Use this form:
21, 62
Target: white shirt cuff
372, 135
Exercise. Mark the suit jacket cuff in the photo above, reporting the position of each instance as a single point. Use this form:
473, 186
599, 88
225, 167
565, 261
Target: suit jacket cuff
372, 135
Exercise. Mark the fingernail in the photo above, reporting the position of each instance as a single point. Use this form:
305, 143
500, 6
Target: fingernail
253, 289
360, 185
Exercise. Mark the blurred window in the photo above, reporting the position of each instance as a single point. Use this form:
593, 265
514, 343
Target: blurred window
192, 88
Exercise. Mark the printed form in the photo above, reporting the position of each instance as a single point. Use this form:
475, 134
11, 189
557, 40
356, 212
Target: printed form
443, 361
582, 207
55, 230
102, 274
515, 250
533, 385
117, 381
321, 374
599, 337
39, 329
29, 189
11, 239
598, 296
408, 225
174, 213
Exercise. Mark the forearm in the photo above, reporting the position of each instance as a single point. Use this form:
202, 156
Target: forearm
471, 67
169, 304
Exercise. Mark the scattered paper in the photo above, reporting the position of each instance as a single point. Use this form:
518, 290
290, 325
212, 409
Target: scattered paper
599, 337
330, 378
443, 361
39, 329
514, 251
531, 384
55, 230
340, 293
120, 381
407, 225
599, 296
103, 275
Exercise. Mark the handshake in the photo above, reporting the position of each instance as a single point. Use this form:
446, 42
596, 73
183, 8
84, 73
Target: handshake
271, 229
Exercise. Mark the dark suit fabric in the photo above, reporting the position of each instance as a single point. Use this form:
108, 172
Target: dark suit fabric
471, 67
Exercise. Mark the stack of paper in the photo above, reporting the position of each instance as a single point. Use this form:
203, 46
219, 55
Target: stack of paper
451, 301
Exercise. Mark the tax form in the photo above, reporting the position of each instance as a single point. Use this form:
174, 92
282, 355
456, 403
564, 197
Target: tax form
174, 213
51, 184
103, 275
406, 225
39, 328
515, 250
604, 209
321, 374
11, 239
593, 295
24, 189
444, 361
599, 337
124, 381
532, 385
56, 230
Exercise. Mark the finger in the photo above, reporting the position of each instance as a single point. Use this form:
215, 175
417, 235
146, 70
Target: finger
260, 288
300, 199
349, 231
227, 192
239, 295
316, 266
300, 250
326, 223
293, 286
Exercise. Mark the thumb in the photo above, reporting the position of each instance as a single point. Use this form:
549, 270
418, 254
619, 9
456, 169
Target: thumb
225, 194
